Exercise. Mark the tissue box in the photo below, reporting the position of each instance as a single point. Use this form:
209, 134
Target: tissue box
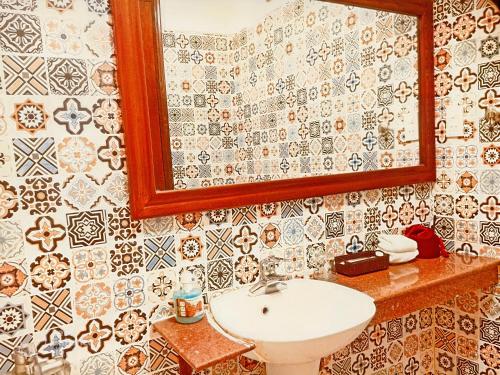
361, 263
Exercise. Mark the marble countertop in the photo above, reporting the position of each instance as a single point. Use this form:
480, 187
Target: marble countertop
198, 344
397, 291
402, 289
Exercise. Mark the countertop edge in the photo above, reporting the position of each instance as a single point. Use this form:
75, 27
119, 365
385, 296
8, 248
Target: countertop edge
243, 348
454, 277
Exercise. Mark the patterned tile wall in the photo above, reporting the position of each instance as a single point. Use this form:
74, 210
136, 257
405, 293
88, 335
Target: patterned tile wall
80, 278
466, 206
316, 88
467, 73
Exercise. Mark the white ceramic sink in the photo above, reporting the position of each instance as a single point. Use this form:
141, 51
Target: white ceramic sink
293, 329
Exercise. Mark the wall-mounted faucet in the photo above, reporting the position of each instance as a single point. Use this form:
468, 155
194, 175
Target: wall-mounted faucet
26, 363
270, 282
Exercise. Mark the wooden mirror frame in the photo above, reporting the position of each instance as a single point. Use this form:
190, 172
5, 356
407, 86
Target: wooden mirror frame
140, 62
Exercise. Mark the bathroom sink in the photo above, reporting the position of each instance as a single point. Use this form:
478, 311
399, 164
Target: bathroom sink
294, 328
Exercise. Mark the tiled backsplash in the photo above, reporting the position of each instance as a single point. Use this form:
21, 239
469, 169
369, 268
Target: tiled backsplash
78, 277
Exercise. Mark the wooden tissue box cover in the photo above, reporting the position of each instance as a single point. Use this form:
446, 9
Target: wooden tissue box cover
372, 263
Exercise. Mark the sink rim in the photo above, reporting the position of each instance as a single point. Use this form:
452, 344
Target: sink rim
370, 304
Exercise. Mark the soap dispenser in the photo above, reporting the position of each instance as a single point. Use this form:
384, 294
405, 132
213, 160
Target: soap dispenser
188, 300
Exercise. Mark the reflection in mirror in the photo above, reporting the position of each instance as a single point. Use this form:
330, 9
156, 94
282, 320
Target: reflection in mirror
269, 90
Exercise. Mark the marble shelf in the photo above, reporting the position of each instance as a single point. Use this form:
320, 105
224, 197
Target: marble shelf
397, 291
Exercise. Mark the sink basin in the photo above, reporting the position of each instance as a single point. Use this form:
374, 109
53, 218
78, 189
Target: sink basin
293, 329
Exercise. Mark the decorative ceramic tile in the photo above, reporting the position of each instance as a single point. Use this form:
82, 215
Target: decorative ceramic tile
45, 234
81, 191
94, 336
6, 157
14, 279
161, 283
56, 344
121, 226
244, 215
334, 223
102, 364
127, 258
293, 231
30, 116
12, 319
93, 300
104, 79
20, 5
129, 293
8, 200
50, 272
86, 228
73, 116
62, 37
159, 253
191, 247
24, 75
107, 116
220, 274
52, 309
35, 156
219, 244
133, 359
270, 235
67, 76
159, 226
161, 355
40, 195
112, 153
90, 265
246, 269
11, 240
98, 6
77, 155
20, 33
60, 5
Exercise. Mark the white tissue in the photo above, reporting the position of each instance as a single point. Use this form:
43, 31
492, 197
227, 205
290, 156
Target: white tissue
396, 243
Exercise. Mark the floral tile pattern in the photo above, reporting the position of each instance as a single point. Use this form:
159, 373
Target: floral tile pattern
80, 278
12, 319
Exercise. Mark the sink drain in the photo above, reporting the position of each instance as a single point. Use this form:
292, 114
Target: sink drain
265, 310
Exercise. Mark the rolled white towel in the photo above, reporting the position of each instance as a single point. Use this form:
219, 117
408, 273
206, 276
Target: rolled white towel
396, 243
398, 258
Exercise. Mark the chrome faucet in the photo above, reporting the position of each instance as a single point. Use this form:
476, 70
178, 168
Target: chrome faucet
26, 363
270, 282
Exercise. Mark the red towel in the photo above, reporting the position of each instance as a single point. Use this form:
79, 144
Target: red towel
430, 245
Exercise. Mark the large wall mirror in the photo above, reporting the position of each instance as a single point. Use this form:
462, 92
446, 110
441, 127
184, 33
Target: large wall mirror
228, 103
